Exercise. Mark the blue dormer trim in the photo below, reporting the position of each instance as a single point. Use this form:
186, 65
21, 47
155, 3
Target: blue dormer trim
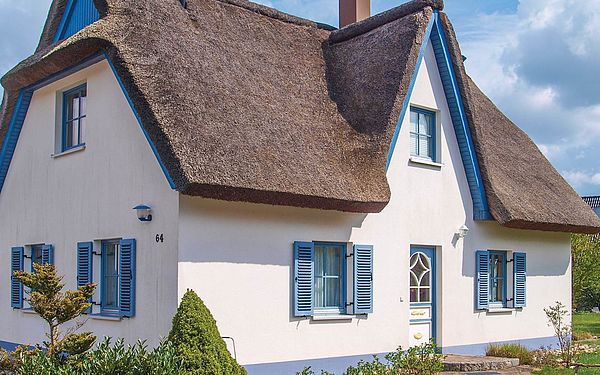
78, 14
22, 106
435, 34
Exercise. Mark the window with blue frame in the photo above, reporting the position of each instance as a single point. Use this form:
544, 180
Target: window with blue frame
110, 277
497, 277
74, 117
329, 268
422, 133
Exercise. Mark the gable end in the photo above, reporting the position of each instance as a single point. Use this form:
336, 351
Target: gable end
435, 34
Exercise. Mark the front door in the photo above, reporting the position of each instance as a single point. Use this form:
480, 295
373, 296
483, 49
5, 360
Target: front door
422, 295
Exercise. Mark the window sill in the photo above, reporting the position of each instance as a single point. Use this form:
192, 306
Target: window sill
112, 318
332, 317
501, 310
427, 162
29, 311
69, 151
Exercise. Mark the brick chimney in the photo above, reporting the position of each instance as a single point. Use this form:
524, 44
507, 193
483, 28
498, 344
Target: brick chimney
353, 11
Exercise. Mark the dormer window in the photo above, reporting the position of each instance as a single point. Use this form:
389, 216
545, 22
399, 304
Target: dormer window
422, 134
74, 117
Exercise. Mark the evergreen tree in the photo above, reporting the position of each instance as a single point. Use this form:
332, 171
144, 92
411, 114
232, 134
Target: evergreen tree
198, 342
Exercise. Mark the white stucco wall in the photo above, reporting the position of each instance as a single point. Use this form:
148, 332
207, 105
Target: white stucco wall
89, 195
238, 257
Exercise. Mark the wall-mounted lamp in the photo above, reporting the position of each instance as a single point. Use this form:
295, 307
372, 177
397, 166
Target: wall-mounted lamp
462, 231
144, 213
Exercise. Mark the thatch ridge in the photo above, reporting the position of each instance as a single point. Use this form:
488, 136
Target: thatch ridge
378, 20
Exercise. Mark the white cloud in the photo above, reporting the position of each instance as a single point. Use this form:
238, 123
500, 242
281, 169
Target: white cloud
540, 66
580, 178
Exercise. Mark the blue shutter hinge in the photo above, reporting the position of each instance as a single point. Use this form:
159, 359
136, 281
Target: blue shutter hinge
27, 256
512, 260
349, 255
96, 253
349, 304
509, 299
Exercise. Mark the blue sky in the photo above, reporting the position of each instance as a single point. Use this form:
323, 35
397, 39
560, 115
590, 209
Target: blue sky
537, 59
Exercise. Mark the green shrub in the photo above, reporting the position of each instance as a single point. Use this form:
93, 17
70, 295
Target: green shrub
107, 359
511, 351
418, 360
44, 289
197, 341
578, 336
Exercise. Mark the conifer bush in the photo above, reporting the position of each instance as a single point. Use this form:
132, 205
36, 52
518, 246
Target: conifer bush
197, 340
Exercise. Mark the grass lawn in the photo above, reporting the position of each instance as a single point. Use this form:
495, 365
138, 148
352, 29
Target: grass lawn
587, 322
582, 358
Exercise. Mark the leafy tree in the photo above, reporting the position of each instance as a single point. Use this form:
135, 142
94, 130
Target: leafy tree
44, 294
198, 342
586, 271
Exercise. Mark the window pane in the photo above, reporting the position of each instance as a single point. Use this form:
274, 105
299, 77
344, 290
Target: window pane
424, 124
414, 294
424, 147
83, 104
414, 144
424, 295
318, 261
75, 133
333, 261
413, 279
75, 107
69, 134
500, 290
319, 292
414, 121
81, 130
332, 292
426, 279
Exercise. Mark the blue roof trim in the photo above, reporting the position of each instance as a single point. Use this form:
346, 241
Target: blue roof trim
406, 102
20, 111
139, 119
77, 15
12, 135
459, 120
436, 35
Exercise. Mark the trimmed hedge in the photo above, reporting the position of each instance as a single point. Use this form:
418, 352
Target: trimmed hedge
197, 340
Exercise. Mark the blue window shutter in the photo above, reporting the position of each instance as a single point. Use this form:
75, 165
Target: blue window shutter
127, 278
520, 279
304, 256
482, 261
47, 254
363, 279
84, 265
16, 287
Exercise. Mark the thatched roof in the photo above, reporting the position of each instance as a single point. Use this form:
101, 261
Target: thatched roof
246, 103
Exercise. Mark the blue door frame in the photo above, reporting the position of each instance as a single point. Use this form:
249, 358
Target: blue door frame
429, 252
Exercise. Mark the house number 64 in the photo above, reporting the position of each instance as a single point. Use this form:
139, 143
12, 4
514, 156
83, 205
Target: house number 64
160, 238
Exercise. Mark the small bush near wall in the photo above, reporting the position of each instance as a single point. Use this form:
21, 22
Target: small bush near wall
418, 360
107, 359
511, 351
197, 340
